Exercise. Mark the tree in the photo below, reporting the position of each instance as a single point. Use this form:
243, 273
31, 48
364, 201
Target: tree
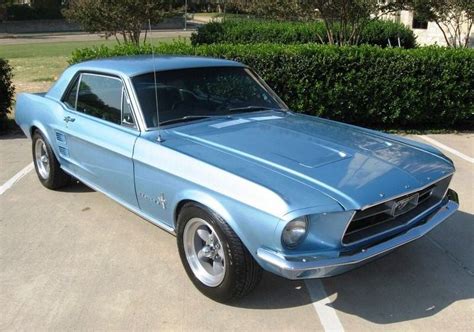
453, 17
120, 17
276, 9
344, 19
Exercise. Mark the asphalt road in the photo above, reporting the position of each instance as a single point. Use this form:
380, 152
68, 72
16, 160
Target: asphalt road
35, 38
74, 259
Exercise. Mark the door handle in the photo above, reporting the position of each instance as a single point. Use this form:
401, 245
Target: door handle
69, 119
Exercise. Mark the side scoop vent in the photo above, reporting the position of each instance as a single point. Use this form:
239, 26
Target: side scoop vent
63, 151
60, 137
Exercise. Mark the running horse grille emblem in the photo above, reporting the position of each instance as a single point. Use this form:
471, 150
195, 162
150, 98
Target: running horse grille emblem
404, 205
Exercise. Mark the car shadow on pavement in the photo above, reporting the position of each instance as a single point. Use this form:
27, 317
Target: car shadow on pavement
12, 134
76, 187
274, 292
416, 281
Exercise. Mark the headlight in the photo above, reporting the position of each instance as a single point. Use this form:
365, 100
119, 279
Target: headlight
294, 232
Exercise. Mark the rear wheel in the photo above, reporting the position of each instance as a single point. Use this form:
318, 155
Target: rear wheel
213, 256
47, 166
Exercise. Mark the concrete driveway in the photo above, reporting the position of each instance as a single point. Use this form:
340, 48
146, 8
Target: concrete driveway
74, 259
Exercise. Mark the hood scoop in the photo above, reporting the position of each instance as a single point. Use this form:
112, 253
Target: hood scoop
270, 145
309, 154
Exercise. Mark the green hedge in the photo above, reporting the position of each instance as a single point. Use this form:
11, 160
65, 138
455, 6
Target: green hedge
6, 92
391, 88
256, 31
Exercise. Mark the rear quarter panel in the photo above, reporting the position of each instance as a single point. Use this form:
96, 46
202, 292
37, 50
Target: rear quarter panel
40, 112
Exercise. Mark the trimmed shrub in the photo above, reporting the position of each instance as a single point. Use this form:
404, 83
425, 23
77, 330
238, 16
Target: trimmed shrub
257, 31
391, 88
6, 92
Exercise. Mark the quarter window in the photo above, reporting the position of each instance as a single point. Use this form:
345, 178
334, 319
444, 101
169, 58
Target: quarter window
101, 97
70, 99
127, 116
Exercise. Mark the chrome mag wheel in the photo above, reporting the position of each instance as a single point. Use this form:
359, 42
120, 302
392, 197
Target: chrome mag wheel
42, 159
204, 252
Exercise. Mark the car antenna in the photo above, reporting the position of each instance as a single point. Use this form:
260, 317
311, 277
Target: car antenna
159, 138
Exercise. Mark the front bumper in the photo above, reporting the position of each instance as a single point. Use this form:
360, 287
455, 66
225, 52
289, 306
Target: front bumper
319, 267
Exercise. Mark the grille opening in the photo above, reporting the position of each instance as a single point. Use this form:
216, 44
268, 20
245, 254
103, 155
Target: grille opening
380, 218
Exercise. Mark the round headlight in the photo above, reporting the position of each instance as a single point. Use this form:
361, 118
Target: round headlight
294, 232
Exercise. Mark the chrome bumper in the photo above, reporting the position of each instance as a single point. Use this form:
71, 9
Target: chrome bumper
319, 267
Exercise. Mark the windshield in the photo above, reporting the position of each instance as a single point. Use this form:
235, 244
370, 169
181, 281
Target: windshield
197, 93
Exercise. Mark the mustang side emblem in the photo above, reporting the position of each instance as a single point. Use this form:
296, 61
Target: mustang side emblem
404, 205
160, 200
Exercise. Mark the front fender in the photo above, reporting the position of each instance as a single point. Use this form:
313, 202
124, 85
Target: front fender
203, 199
254, 227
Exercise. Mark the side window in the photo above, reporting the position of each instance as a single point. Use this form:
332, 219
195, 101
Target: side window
101, 97
70, 99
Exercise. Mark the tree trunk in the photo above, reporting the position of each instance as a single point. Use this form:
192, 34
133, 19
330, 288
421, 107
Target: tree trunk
329, 32
468, 34
448, 43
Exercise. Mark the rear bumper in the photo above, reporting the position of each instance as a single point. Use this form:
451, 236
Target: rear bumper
318, 267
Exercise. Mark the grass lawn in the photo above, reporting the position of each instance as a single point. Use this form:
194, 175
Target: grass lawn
43, 62
37, 66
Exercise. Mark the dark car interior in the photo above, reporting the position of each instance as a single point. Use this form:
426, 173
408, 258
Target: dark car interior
198, 92
173, 103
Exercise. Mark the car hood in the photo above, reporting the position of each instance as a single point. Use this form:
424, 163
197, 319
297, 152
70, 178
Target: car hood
354, 166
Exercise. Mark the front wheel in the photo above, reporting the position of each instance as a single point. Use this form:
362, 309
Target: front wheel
47, 166
213, 256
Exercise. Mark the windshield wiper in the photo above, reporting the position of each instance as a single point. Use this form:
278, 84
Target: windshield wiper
253, 108
191, 118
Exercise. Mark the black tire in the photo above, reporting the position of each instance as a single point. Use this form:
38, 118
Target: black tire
56, 178
242, 272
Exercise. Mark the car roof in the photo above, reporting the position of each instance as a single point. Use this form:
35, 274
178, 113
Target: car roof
141, 64
130, 66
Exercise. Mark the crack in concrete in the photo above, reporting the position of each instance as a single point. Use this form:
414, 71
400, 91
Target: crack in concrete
451, 256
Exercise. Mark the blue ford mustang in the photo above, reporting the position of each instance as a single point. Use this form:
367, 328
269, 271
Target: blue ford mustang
204, 149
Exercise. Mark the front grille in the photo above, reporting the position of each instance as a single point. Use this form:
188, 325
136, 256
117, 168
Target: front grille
393, 214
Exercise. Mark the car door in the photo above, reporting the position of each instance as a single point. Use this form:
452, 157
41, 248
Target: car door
101, 131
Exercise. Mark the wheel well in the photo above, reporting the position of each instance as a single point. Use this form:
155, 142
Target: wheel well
33, 129
180, 205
